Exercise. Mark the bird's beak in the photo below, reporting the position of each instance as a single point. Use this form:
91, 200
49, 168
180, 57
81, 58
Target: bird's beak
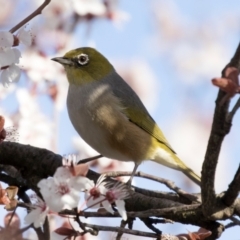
63, 61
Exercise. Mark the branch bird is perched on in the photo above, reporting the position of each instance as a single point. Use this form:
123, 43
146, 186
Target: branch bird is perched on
109, 115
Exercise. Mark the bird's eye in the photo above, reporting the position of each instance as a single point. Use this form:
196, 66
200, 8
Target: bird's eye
83, 59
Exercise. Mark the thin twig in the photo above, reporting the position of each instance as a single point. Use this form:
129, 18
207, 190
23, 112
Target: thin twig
171, 185
229, 225
233, 190
234, 110
122, 225
121, 230
149, 223
31, 16
235, 220
10, 219
85, 160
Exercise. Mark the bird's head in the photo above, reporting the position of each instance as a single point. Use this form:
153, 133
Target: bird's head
84, 65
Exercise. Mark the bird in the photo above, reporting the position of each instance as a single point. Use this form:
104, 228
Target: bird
110, 117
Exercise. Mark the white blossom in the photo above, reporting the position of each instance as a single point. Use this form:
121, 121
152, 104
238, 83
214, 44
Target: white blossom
10, 75
84, 7
94, 194
24, 36
105, 194
10, 72
38, 214
6, 40
62, 190
117, 193
9, 56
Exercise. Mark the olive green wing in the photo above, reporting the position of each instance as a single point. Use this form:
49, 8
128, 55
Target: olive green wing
145, 121
134, 109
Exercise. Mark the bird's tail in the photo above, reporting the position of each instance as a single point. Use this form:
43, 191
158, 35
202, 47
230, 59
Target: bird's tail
192, 175
170, 159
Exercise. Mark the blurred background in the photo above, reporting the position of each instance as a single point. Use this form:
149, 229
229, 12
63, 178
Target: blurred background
168, 51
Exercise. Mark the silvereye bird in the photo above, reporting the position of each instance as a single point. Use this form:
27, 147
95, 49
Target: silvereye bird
110, 117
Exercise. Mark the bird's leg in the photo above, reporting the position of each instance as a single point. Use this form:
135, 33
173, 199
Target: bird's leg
85, 160
129, 182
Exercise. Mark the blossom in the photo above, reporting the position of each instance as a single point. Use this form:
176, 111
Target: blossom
85, 7
10, 72
105, 194
38, 213
6, 39
10, 75
117, 193
9, 56
25, 37
94, 194
62, 190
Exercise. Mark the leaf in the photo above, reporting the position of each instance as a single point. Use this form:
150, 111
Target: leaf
229, 82
63, 231
199, 235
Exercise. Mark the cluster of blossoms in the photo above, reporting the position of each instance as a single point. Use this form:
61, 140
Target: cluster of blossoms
10, 55
62, 191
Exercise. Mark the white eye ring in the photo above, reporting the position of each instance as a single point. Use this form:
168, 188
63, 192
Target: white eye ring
83, 59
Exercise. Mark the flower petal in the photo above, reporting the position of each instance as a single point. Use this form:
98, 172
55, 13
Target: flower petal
81, 183
93, 202
94, 7
6, 39
54, 203
107, 206
17, 55
10, 75
121, 209
62, 174
25, 37
71, 200
7, 57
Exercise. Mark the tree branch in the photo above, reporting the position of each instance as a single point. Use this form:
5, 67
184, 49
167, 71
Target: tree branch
220, 128
35, 163
171, 185
233, 190
122, 230
30, 17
